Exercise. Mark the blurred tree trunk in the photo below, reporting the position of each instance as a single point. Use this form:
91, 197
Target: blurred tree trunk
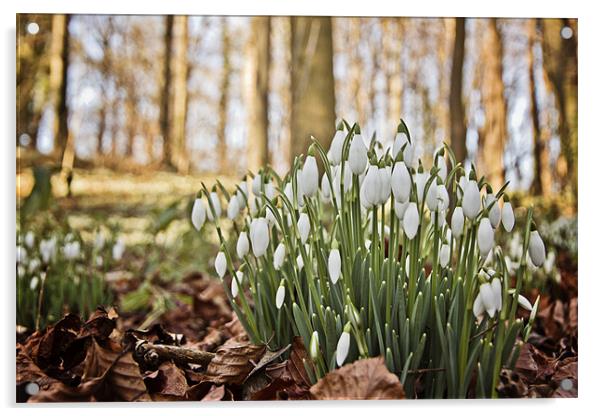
542, 177
358, 90
222, 145
257, 90
457, 116
179, 96
394, 35
312, 83
59, 65
560, 64
164, 116
493, 134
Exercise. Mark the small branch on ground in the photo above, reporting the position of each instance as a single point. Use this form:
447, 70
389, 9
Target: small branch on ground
154, 354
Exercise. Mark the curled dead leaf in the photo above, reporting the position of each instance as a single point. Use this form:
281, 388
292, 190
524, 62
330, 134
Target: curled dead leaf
234, 361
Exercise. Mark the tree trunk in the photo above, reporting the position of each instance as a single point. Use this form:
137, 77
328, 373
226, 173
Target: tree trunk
257, 89
180, 159
312, 83
222, 145
59, 65
457, 116
494, 132
164, 117
394, 35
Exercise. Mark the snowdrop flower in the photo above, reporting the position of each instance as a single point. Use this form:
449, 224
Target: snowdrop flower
457, 222
221, 264
336, 147
33, 283
48, 249
71, 250
242, 193
507, 216
488, 298
279, 256
343, 345
442, 166
270, 217
334, 265
233, 207
280, 294
325, 189
314, 346
309, 176
344, 176
21, 254
524, 303
260, 236
420, 179
99, 240
30, 239
370, 192
400, 140
444, 255
401, 182
236, 281
242, 245
400, 209
358, 155
303, 226
442, 198
198, 213
496, 285
256, 185
548, 264
216, 206
485, 237
34, 264
288, 192
537, 250
300, 262
471, 202
495, 214
477, 307
270, 191
118, 249
385, 183
431, 197
411, 220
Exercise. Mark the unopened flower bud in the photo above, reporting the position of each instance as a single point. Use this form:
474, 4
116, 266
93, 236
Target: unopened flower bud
198, 213
334, 265
221, 264
471, 202
303, 226
358, 155
485, 237
280, 294
411, 219
537, 250
507, 216
242, 245
279, 256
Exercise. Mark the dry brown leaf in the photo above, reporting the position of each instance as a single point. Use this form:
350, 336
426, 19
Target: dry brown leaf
362, 380
233, 361
168, 380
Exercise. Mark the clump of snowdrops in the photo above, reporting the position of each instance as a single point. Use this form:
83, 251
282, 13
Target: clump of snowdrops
379, 256
57, 273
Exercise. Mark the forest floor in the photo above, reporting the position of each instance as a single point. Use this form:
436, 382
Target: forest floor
192, 347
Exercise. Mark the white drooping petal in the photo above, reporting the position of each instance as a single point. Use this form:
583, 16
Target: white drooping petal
314, 346
537, 250
21, 254
457, 222
444, 255
488, 298
524, 303
33, 283
198, 213
118, 250
216, 206
477, 307
400, 140
370, 192
411, 220
300, 262
288, 192
233, 207
358, 155
496, 285
421, 179
471, 201
507, 216
495, 214
336, 147
260, 237
303, 226
401, 182
309, 176
242, 194
30, 239
431, 197
279, 256
334, 265
242, 245
325, 189
485, 237
270, 191
280, 294
220, 264
343, 348
256, 185
442, 165
400, 209
384, 174
442, 198
236, 283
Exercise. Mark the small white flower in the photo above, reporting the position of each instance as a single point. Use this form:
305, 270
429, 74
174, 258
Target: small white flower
457, 222
33, 283
334, 265
548, 265
118, 249
198, 213
270, 217
488, 298
495, 214
99, 240
507, 216
442, 165
421, 178
233, 207
270, 191
477, 307
280, 294
242, 245
314, 346
411, 220
358, 155
256, 185
401, 182
21, 254
221, 264
260, 236
485, 237
30, 239
279, 256
336, 147
537, 250
384, 174
303, 227
400, 140
431, 197
309, 176
288, 192
343, 347
471, 202
325, 189
496, 285
216, 206
71, 250
400, 209
442, 198
444, 255
34, 264
300, 262
370, 192
243, 193
524, 303
236, 281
